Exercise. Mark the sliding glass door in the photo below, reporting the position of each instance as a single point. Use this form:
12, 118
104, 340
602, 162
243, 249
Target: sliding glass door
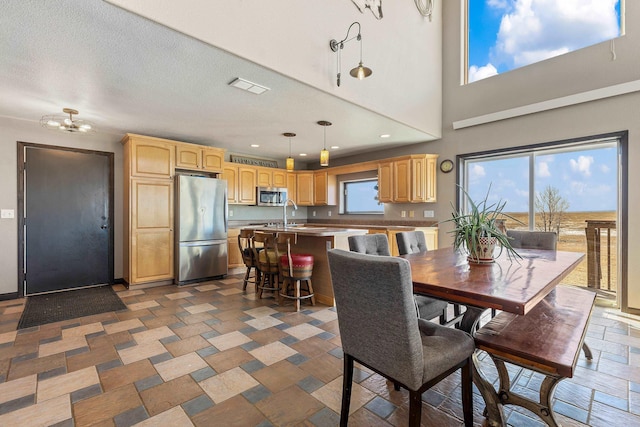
571, 188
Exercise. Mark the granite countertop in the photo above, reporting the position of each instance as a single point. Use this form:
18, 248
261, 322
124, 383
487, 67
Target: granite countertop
373, 225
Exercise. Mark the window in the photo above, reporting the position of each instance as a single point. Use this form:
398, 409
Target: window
361, 197
567, 187
506, 34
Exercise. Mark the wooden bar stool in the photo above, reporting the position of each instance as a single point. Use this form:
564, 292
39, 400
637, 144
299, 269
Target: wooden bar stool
294, 269
249, 259
267, 263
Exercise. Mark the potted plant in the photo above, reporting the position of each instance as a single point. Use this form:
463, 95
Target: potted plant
481, 229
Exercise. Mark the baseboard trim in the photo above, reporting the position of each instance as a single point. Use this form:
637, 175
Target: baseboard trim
11, 295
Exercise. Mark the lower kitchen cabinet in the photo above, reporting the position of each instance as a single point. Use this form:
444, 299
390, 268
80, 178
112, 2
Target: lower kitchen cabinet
235, 257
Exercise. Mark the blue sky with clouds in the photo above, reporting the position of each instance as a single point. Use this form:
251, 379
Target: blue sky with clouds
587, 179
507, 34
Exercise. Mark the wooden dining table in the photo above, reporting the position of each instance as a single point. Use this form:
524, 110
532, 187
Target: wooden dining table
514, 285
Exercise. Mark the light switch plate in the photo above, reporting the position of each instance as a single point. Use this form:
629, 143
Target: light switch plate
7, 213
428, 214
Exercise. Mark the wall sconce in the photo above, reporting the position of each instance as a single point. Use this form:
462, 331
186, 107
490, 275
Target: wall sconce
324, 154
359, 72
290, 161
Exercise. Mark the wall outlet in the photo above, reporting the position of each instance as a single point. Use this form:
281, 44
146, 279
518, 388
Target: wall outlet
7, 213
293, 213
329, 213
403, 214
230, 212
313, 213
412, 214
428, 214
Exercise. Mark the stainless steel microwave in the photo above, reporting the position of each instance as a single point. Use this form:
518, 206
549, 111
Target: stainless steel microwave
271, 196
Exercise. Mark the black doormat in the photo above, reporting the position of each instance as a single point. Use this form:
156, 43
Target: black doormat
55, 307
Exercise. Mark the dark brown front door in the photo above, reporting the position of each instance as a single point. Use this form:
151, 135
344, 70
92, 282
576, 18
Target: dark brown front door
67, 212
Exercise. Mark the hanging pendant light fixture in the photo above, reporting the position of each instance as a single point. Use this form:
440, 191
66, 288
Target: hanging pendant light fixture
67, 124
290, 161
324, 154
360, 72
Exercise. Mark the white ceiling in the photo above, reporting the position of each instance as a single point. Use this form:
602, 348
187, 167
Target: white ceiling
128, 74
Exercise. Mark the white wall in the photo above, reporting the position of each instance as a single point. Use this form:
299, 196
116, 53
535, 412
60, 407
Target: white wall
292, 38
12, 131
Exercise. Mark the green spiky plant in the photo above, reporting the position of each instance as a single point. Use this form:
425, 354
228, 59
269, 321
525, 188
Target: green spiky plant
482, 220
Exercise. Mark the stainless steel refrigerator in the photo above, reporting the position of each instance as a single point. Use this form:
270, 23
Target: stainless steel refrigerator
201, 221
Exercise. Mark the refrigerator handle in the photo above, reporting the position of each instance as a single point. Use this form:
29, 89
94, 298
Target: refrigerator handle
226, 210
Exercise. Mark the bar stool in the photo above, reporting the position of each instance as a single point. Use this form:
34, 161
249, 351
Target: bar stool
294, 269
264, 249
249, 259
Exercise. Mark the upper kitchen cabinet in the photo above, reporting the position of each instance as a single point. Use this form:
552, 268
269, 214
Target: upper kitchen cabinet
230, 174
324, 189
241, 183
271, 177
304, 192
408, 179
196, 157
385, 182
148, 157
292, 186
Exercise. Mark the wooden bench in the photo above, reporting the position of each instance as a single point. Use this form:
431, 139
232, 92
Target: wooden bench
548, 340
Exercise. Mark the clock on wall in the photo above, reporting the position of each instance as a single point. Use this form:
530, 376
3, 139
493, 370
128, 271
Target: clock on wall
446, 166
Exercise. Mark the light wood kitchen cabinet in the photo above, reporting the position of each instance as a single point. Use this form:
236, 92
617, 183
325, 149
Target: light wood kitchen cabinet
385, 182
191, 156
412, 179
148, 157
279, 178
235, 257
264, 177
305, 189
271, 177
150, 235
212, 159
292, 186
230, 174
324, 189
246, 185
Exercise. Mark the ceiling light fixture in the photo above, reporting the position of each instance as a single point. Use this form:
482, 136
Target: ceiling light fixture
359, 72
249, 86
67, 124
324, 154
290, 161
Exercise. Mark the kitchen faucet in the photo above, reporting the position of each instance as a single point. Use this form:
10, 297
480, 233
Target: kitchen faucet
284, 210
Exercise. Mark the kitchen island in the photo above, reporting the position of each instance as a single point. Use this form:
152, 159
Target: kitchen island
316, 241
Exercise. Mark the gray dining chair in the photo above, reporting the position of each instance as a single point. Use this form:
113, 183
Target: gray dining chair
379, 330
372, 244
412, 242
544, 240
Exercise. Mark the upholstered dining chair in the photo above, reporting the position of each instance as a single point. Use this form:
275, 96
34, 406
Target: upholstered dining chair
379, 329
372, 244
411, 242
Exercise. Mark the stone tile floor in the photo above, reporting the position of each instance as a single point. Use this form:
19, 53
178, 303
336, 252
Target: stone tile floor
210, 355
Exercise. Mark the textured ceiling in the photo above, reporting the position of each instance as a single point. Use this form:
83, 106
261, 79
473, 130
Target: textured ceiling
128, 74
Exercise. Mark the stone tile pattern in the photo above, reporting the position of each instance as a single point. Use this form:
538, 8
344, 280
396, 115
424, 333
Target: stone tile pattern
210, 354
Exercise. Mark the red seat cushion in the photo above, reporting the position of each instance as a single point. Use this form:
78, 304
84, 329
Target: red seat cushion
299, 260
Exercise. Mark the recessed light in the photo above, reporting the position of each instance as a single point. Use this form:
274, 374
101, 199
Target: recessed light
303, 154
255, 145
334, 147
385, 135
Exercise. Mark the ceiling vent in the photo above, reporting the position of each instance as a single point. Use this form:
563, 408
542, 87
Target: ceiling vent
249, 86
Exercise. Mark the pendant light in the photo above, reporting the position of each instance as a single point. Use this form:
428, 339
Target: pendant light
290, 161
360, 72
324, 154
